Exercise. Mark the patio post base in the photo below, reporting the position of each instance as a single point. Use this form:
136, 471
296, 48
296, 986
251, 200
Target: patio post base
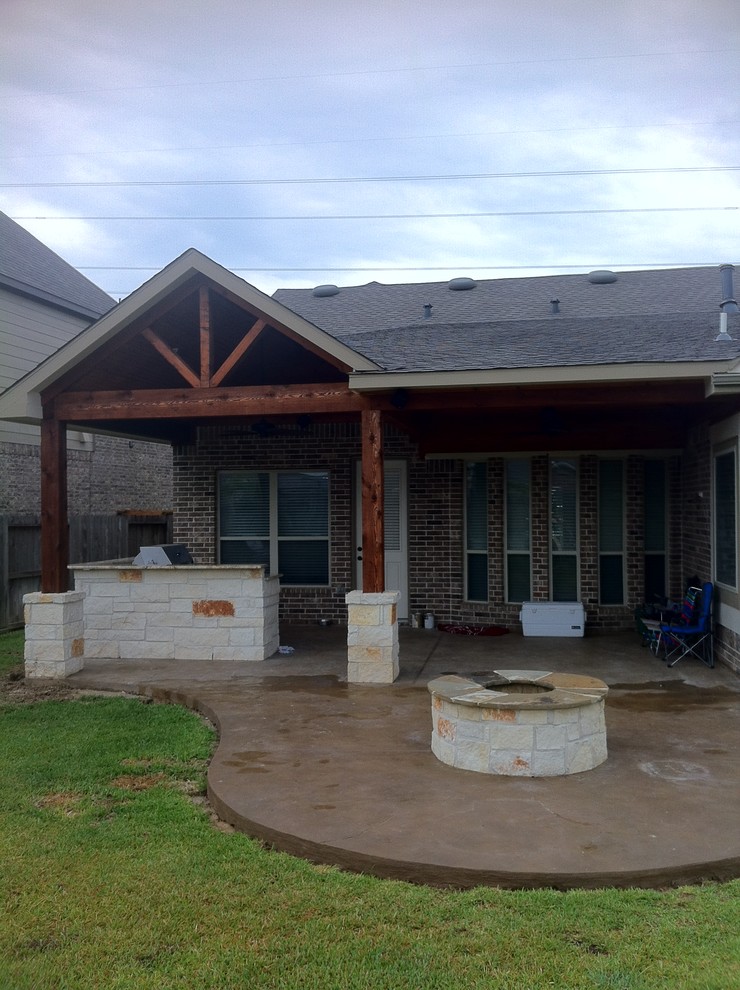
372, 637
55, 634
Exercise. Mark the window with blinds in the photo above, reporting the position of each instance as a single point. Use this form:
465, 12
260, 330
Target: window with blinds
518, 532
611, 532
564, 530
279, 519
476, 532
725, 519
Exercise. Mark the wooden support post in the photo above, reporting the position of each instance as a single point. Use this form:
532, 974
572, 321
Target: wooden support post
54, 521
206, 340
373, 533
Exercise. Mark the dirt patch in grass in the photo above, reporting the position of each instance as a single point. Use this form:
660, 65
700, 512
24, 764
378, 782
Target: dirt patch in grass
66, 803
140, 782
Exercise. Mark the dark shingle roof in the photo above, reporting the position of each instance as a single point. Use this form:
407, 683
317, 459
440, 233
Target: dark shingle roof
28, 266
646, 316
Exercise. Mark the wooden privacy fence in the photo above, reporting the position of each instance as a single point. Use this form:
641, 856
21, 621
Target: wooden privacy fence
91, 537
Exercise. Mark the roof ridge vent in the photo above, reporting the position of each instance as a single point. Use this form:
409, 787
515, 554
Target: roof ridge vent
461, 284
322, 291
602, 277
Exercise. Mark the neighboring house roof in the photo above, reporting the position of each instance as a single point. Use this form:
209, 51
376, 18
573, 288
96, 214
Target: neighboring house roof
662, 316
29, 267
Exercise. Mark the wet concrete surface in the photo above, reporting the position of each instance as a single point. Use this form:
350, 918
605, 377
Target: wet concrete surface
344, 774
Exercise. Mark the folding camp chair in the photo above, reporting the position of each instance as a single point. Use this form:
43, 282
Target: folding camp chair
693, 638
651, 627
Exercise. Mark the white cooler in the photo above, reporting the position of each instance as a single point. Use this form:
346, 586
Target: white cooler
552, 618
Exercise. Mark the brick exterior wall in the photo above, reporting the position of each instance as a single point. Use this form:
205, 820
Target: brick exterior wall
113, 474
435, 520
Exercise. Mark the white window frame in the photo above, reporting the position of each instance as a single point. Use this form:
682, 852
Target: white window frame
519, 553
273, 538
613, 553
576, 553
722, 450
478, 553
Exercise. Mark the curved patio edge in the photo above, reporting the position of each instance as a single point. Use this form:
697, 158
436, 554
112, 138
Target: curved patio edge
222, 798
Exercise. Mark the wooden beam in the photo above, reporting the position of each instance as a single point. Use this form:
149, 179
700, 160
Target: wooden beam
373, 529
259, 400
54, 521
170, 357
206, 337
121, 338
286, 331
239, 351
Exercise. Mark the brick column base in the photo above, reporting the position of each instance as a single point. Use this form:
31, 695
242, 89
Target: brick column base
372, 637
55, 634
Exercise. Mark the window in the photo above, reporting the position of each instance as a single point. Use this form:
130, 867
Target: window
611, 532
655, 537
279, 519
725, 519
564, 530
476, 532
518, 532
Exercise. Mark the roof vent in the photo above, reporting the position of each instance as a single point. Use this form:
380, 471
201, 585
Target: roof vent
554, 306
427, 311
325, 290
603, 277
461, 284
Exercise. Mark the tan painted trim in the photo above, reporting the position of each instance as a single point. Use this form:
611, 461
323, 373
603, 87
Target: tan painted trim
372, 381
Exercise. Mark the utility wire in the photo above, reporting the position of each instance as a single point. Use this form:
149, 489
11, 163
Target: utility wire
426, 268
367, 178
401, 216
369, 140
395, 70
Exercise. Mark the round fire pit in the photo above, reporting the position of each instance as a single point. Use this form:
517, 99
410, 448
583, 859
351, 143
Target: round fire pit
519, 723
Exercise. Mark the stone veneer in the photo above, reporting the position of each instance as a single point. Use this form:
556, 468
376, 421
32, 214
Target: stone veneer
55, 641
173, 612
495, 725
372, 637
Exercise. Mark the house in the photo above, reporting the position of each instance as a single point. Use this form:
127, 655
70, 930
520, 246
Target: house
457, 447
44, 303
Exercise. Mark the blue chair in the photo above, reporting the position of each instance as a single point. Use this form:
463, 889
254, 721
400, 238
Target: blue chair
693, 638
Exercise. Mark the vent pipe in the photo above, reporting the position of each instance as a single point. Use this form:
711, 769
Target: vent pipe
729, 303
427, 311
554, 306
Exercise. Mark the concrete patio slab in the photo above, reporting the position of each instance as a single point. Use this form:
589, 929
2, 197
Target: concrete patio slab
344, 774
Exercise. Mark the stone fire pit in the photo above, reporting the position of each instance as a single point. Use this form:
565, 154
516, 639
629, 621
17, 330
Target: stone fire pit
519, 723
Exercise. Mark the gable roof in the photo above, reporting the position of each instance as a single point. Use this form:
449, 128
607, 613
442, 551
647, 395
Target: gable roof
33, 269
22, 401
661, 316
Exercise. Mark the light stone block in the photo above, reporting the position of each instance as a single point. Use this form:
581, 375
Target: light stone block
551, 737
548, 763
144, 650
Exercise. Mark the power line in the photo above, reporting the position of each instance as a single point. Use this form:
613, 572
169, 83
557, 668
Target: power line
395, 70
367, 178
427, 268
454, 135
401, 216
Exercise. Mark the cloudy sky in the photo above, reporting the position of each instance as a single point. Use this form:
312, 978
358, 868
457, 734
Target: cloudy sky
398, 140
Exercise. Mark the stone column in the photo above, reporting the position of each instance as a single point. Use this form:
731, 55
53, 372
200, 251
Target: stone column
372, 637
55, 634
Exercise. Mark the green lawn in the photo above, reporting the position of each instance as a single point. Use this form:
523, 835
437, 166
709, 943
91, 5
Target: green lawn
112, 877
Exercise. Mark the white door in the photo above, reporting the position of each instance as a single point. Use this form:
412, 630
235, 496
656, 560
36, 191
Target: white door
395, 517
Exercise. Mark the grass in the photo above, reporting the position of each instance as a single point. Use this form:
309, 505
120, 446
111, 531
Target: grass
111, 876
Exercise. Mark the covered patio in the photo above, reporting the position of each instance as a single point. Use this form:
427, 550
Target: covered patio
343, 774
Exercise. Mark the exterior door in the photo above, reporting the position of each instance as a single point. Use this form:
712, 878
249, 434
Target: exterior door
395, 513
